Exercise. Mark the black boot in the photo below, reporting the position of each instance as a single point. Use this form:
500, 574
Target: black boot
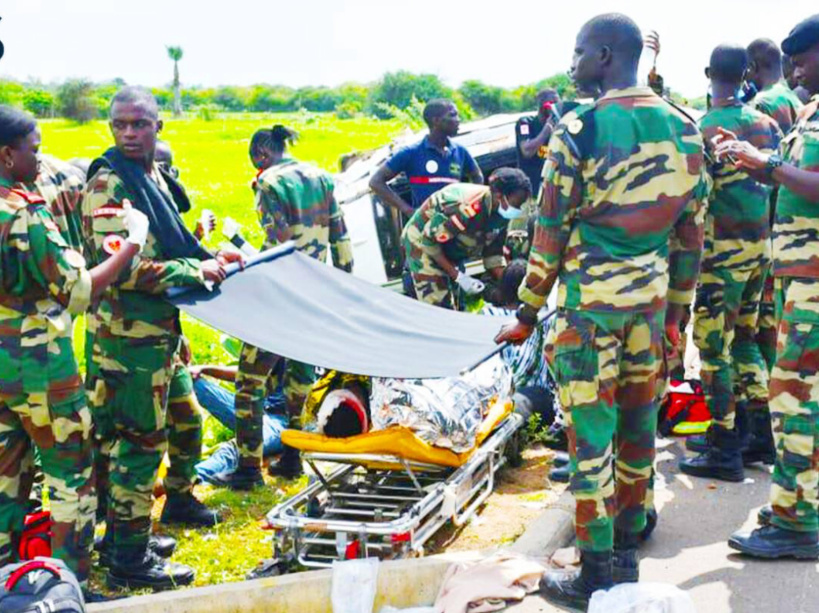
651, 524
574, 589
561, 459
699, 443
240, 478
150, 571
760, 447
771, 542
560, 474
162, 545
722, 461
188, 510
288, 466
555, 438
625, 563
763, 517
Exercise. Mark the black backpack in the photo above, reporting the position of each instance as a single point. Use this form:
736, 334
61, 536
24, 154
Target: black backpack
41, 585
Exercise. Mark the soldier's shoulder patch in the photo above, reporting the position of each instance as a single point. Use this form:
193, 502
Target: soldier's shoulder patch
112, 244
110, 210
74, 258
28, 197
574, 126
443, 236
524, 129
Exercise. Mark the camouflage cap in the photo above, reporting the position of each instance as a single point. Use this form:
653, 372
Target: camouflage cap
804, 36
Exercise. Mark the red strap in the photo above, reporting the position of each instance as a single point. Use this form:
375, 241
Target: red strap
29, 197
21, 572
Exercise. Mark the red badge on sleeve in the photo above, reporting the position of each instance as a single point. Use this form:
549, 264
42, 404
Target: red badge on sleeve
107, 211
112, 243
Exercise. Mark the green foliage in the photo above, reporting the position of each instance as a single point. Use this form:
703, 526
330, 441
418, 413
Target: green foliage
486, 99
175, 53
412, 116
38, 102
11, 93
398, 89
76, 100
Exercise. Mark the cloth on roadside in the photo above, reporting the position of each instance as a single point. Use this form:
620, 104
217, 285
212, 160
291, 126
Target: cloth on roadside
175, 240
443, 412
301, 309
486, 585
641, 598
354, 585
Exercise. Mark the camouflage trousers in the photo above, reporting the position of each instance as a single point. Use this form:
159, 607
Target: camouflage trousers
61, 428
607, 367
260, 372
766, 325
184, 432
432, 285
726, 310
794, 403
128, 393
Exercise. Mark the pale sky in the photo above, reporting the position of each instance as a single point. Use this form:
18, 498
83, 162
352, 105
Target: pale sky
327, 42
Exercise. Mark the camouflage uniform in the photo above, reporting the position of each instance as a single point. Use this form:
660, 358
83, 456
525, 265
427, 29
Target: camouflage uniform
61, 185
42, 400
781, 103
136, 338
620, 226
294, 201
184, 431
735, 263
795, 376
460, 222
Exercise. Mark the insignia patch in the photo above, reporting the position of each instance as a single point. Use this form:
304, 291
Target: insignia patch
456, 221
575, 126
112, 243
524, 129
431, 166
442, 237
74, 258
107, 211
476, 207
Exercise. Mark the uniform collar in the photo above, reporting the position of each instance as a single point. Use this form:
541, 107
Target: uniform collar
629, 92
428, 144
724, 103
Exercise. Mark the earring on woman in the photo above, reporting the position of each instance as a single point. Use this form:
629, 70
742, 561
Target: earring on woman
9, 164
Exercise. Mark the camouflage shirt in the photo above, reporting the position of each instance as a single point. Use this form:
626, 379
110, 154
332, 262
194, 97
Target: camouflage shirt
295, 201
622, 206
133, 306
779, 102
460, 222
42, 283
737, 226
796, 226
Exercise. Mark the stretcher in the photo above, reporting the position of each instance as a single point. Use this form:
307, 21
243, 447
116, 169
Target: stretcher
385, 493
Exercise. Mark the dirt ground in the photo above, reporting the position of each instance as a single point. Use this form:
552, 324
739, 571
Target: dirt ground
520, 496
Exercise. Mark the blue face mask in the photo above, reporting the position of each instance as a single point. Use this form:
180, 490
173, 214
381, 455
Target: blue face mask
508, 213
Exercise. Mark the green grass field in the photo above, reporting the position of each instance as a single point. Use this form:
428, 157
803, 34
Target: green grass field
215, 168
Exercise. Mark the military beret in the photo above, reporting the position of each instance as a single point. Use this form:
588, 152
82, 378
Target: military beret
804, 36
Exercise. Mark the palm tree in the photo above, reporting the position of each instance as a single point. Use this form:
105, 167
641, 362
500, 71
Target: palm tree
175, 53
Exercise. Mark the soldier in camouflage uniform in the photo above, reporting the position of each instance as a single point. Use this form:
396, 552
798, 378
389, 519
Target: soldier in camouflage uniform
61, 184
458, 223
42, 401
294, 201
735, 264
621, 228
792, 528
138, 332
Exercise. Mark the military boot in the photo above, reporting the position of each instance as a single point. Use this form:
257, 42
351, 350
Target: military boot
763, 517
651, 523
574, 589
161, 545
148, 571
288, 466
760, 447
560, 474
242, 478
186, 509
700, 443
722, 461
625, 563
771, 542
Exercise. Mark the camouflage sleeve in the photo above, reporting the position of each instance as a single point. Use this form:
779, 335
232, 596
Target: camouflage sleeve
35, 250
340, 245
272, 217
766, 136
104, 231
686, 247
560, 196
447, 221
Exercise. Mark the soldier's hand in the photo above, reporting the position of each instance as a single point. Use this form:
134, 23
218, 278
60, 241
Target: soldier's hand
136, 223
742, 153
213, 271
723, 136
652, 42
226, 257
515, 333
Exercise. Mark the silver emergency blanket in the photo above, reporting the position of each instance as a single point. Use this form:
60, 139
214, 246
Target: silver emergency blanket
443, 412
299, 308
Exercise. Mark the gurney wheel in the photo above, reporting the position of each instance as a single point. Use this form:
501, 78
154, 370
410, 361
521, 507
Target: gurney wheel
514, 450
270, 567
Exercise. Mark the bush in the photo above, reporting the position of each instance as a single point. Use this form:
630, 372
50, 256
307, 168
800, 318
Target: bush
11, 93
76, 100
349, 109
399, 89
38, 102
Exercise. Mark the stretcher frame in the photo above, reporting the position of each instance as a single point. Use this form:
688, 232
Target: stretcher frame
368, 505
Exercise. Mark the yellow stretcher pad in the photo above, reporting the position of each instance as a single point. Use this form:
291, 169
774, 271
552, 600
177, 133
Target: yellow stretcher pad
398, 441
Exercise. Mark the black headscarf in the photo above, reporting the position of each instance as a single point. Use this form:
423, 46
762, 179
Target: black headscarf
175, 240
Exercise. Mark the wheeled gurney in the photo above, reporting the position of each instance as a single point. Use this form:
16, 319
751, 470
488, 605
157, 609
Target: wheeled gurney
385, 493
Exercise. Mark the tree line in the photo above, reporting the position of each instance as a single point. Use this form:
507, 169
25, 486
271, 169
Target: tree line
393, 95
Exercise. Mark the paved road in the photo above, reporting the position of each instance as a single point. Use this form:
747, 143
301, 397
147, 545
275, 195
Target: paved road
689, 547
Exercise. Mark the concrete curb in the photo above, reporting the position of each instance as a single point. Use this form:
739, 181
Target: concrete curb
551, 530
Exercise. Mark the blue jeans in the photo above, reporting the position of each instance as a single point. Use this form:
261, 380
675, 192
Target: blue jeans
219, 402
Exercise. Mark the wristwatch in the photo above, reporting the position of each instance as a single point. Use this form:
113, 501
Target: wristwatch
526, 315
774, 162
